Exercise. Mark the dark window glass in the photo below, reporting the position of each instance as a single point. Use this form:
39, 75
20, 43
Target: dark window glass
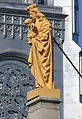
41, 2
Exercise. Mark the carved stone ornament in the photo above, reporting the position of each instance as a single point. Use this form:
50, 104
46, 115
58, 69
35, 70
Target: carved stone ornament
15, 81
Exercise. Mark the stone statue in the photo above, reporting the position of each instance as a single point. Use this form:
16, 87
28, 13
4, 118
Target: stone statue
40, 56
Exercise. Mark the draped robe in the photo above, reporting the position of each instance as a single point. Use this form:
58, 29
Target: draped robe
40, 56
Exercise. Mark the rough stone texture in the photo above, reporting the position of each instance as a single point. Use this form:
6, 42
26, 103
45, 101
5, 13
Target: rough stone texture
43, 108
72, 107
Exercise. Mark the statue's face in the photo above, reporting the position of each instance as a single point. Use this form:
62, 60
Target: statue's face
33, 15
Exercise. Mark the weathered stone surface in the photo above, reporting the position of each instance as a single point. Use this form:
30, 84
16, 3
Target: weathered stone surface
44, 108
43, 104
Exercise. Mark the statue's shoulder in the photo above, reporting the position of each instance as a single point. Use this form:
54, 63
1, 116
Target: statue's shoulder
45, 22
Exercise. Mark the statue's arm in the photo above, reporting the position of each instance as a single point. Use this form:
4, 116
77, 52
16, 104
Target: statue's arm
30, 36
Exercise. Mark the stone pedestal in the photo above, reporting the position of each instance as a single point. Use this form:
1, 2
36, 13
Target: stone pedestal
43, 104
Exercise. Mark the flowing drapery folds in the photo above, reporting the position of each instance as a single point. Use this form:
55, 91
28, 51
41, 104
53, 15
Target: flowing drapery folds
40, 57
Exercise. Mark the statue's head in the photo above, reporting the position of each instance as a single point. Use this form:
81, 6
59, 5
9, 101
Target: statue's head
31, 7
33, 11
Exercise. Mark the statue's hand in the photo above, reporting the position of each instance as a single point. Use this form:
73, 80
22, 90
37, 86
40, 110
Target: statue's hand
33, 25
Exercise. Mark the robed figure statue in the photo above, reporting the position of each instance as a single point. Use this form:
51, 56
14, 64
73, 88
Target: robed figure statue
40, 38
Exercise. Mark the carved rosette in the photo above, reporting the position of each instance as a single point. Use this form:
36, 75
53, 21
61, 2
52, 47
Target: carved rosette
15, 81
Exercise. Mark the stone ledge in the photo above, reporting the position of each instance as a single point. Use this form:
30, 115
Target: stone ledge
43, 92
43, 104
